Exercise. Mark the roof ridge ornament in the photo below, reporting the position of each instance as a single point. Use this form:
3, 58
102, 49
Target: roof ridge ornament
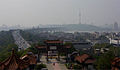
13, 51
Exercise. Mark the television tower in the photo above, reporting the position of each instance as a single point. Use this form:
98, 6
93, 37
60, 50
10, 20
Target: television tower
80, 17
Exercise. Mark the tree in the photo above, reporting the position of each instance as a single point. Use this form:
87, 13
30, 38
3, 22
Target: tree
6, 52
104, 61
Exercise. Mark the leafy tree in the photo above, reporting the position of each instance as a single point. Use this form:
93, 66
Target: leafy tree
103, 45
28, 36
72, 49
32, 49
104, 61
6, 38
6, 52
40, 66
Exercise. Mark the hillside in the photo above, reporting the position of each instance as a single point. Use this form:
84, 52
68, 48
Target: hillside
6, 38
74, 27
81, 27
6, 44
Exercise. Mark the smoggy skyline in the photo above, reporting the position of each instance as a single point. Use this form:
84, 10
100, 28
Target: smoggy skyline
35, 12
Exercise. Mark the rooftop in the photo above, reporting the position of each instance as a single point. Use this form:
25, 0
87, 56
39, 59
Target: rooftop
53, 41
14, 63
85, 58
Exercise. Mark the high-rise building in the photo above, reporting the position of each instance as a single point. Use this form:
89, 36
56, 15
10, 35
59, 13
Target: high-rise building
115, 26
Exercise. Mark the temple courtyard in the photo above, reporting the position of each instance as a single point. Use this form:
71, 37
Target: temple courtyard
53, 64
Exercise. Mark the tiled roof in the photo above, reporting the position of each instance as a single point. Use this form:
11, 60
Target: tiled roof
13, 63
85, 58
53, 41
82, 58
116, 62
90, 61
40, 47
67, 46
30, 58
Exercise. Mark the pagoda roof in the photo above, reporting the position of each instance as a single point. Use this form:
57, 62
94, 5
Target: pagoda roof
85, 58
13, 63
31, 58
116, 62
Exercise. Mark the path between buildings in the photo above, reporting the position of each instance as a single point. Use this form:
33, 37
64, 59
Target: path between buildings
50, 66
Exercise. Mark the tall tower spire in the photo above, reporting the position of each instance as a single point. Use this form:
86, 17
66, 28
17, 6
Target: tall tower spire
80, 17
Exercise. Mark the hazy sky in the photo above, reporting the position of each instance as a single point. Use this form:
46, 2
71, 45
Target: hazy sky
35, 12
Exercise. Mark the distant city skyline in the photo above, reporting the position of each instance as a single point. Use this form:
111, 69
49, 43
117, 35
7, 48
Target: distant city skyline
29, 13
116, 26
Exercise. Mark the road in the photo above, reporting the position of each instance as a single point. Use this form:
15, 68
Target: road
58, 65
20, 41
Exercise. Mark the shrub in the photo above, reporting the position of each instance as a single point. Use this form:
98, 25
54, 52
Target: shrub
40, 66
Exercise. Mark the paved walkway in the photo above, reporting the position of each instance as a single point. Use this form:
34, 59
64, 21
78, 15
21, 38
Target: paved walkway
56, 66
50, 66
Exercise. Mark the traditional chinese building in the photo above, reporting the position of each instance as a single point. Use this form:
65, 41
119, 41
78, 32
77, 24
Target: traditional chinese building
53, 48
31, 59
116, 64
85, 60
41, 49
15, 63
